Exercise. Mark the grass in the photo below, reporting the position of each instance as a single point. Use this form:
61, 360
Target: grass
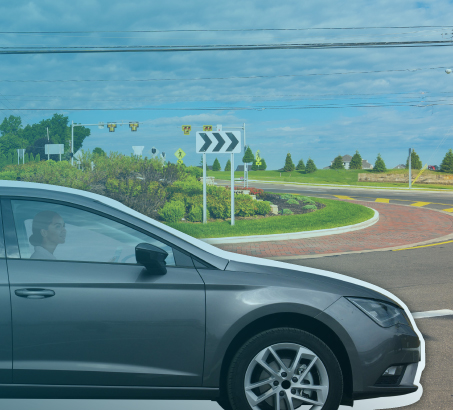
327, 176
335, 214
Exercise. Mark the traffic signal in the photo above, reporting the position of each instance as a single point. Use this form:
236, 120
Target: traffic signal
111, 126
133, 126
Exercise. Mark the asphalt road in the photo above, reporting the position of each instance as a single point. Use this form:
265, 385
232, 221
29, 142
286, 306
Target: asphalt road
434, 200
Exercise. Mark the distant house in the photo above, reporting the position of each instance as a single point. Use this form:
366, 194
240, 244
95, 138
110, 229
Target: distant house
208, 167
241, 167
347, 160
400, 166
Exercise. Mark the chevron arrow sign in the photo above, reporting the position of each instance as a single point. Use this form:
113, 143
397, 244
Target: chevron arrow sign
219, 142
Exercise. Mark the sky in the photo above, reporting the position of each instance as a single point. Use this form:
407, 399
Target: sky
311, 103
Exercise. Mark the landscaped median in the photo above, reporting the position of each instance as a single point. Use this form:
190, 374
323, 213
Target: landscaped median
335, 214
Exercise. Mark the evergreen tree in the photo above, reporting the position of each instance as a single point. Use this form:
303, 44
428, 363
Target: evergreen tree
301, 166
379, 166
415, 161
15, 157
2, 160
447, 162
310, 167
248, 156
356, 161
289, 165
31, 158
9, 159
99, 151
27, 158
263, 165
228, 166
216, 165
254, 166
38, 158
337, 163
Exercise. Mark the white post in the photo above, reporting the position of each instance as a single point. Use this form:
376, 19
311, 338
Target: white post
245, 165
410, 172
204, 189
72, 142
232, 189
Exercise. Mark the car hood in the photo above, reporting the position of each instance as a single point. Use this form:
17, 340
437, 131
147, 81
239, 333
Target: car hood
288, 276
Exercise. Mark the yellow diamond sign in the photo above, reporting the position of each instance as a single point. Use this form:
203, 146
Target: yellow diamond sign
180, 154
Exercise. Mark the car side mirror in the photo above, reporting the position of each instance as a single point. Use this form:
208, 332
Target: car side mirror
151, 257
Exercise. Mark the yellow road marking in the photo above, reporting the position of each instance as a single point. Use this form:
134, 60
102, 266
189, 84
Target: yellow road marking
420, 203
423, 246
385, 201
343, 197
448, 210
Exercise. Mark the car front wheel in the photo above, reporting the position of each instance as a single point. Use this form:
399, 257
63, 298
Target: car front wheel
284, 369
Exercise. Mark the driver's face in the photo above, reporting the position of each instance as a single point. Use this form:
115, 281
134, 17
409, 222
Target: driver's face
56, 231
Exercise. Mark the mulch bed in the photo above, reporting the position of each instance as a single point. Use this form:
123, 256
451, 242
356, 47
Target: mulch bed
283, 204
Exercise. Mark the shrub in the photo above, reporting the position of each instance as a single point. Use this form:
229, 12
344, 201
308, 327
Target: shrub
196, 214
286, 196
219, 209
189, 186
292, 201
244, 205
173, 211
262, 207
309, 207
287, 212
194, 171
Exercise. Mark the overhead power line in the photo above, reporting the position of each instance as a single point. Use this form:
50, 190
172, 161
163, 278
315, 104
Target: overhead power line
218, 47
228, 78
219, 30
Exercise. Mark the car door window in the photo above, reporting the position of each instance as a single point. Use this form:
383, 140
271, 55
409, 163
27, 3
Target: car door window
58, 232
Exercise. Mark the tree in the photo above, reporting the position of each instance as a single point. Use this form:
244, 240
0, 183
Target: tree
99, 151
11, 142
248, 156
263, 165
289, 165
254, 166
415, 161
216, 165
337, 163
310, 167
38, 147
37, 158
379, 165
31, 157
228, 166
11, 125
356, 161
301, 166
447, 162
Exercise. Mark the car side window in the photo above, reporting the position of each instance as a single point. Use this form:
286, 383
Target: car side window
58, 232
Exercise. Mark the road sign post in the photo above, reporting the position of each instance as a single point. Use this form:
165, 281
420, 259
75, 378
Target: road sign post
410, 172
218, 142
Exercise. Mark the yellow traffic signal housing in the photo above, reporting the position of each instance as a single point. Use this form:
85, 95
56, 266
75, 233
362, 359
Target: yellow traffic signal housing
133, 126
111, 126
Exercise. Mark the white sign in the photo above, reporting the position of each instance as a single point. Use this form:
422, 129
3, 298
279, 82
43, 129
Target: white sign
138, 149
52, 149
222, 142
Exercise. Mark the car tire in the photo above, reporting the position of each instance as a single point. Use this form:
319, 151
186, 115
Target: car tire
284, 365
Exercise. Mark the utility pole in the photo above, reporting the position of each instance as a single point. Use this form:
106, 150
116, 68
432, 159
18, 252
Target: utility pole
410, 172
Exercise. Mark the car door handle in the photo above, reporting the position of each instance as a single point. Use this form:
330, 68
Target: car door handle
34, 293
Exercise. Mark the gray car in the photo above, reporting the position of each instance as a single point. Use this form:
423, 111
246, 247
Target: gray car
100, 301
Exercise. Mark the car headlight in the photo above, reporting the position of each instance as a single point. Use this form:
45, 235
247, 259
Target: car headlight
384, 314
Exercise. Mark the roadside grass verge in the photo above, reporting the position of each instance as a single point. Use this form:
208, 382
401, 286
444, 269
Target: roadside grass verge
327, 176
335, 214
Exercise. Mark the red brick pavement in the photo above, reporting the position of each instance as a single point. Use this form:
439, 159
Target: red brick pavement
397, 226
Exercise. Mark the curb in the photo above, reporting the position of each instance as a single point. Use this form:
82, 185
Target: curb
294, 235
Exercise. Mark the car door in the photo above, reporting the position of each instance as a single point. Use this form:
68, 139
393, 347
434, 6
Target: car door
85, 313
6, 358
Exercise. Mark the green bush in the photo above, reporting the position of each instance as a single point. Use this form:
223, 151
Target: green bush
173, 211
286, 196
195, 200
219, 209
262, 207
244, 205
195, 171
292, 201
309, 207
287, 212
189, 186
196, 214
